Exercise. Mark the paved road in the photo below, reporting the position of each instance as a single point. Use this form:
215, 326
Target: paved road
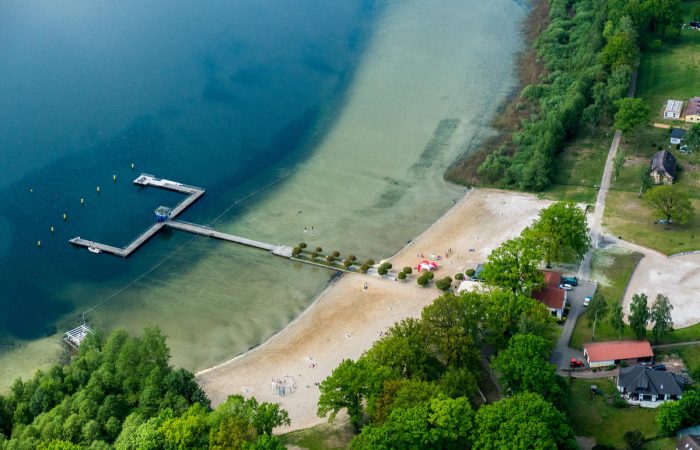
562, 353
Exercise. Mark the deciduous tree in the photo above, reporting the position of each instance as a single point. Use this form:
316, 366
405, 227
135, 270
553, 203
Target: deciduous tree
631, 114
616, 319
515, 266
671, 202
660, 316
596, 309
561, 230
523, 421
639, 315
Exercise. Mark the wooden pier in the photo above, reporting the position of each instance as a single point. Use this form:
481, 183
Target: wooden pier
193, 194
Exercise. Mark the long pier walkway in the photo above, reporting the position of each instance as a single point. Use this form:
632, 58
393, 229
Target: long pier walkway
193, 194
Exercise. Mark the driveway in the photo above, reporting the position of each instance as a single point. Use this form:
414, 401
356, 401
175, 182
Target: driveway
562, 353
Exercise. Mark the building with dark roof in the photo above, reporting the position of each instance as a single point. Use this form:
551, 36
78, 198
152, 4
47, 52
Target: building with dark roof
677, 135
663, 167
551, 295
601, 354
689, 442
639, 383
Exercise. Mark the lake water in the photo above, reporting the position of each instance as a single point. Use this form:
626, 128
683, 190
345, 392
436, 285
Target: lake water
337, 115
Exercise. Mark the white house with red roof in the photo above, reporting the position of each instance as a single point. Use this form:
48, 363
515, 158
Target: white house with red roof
551, 295
601, 354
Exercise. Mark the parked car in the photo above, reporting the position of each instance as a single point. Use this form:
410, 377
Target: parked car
575, 363
566, 287
573, 281
661, 367
587, 300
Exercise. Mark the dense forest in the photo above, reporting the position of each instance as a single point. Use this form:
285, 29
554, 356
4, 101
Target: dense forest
585, 58
120, 392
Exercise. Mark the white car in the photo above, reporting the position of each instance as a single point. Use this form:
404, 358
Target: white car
587, 300
566, 287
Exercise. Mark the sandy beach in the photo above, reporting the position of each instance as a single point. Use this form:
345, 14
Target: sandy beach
346, 319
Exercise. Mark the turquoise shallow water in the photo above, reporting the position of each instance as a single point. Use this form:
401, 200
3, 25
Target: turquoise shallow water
337, 115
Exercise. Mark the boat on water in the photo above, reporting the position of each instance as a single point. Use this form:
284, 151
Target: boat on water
94, 250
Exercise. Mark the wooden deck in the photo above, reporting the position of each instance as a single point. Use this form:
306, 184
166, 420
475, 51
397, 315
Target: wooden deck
280, 250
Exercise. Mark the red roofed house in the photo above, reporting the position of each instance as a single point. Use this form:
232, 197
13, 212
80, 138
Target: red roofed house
553, 297
600, 354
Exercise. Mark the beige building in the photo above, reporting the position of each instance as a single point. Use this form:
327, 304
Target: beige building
692, 111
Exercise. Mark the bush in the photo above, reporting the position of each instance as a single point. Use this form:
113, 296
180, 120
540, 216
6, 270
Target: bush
382, 270
314, 255
611, 367
387, 265
319, 250
470, 272
370, 262
347, 263
364, 268
634, 439
296, 251
401, 276
352, 258
302, 245
430, 275
620, 402
422, 280
407, 270
335, 253
459, 276
444, 284
330, 258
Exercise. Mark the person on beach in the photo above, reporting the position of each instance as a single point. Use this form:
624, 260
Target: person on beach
366, 286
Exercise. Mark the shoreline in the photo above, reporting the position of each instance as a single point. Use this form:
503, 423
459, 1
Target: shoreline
345, 320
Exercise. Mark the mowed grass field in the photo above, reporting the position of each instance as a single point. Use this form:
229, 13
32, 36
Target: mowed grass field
672, 71
594, 416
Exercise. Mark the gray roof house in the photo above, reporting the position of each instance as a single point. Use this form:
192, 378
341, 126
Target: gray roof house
677, 135
639, 384
688, 442
663, 167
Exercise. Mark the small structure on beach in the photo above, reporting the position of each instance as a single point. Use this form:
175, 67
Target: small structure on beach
692, 111
602, 354
673, 109
75, 336
663, 167
551, 295
426, 265
644, 384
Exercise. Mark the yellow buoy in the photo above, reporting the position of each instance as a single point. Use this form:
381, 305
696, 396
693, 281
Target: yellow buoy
114, 177
38, 243
133, 166
82, 201
65, 216
52, 229
98, 189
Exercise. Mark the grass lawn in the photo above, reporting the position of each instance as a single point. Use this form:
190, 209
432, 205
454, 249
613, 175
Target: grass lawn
612, 268
592, 415
629, 217
331, 436
578, 168
661, 444
672, 71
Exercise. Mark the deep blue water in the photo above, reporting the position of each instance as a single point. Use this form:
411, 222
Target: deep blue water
219, 94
